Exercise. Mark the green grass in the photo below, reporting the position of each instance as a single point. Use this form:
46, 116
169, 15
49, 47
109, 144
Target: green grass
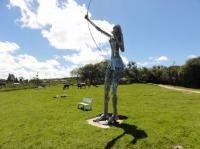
157, 119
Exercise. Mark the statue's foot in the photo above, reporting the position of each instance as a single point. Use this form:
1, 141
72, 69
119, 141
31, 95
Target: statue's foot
112, 120
103, 117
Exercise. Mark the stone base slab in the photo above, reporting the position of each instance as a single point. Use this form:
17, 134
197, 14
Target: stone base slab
103, 124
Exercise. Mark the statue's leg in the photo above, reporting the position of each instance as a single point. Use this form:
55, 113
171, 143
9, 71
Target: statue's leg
115, 82
107, 83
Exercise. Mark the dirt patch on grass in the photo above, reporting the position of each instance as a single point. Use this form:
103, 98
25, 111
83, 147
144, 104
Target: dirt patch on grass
180, 89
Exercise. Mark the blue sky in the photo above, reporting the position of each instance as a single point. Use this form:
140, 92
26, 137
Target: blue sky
51, 36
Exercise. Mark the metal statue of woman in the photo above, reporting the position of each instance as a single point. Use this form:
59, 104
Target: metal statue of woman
113, 71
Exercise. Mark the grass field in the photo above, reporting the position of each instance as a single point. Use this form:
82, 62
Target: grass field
158, 118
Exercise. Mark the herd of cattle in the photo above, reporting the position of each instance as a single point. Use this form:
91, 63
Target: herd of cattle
79, 85
65, 86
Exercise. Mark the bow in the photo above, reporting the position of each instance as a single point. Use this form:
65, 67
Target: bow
90, 29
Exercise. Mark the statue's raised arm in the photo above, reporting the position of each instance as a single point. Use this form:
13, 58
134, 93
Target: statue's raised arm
98, 28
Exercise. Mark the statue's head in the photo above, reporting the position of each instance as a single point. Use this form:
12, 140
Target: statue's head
117, 33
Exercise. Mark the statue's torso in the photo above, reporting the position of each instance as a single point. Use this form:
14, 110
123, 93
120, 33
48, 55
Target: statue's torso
116, 60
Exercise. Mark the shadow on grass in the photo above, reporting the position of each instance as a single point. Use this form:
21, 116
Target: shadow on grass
130, 130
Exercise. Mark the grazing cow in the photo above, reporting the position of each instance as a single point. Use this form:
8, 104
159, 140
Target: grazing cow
81, 85
94, 84
65, 86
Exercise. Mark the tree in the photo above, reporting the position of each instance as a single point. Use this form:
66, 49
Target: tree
21, 79
174, 75
165, 77
191, 73
75, 72
91, 74
131, 72
100, 71
188, 74
144, 75
156, 72
11, 78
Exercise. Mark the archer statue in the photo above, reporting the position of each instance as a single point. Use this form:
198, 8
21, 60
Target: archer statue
113, 71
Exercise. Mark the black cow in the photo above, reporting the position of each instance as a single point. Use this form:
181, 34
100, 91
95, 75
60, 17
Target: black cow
65, 86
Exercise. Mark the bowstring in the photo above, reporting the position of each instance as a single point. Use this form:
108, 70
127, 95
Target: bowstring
90, 29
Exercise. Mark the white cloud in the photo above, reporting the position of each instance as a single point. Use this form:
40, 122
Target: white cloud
153, 61
8, 47
192, 56
161, 58
87, 56
56, 57
28, 18
27, 66
64, 26
143, 64
125, 60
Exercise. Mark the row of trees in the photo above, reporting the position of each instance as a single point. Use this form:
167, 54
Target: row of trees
12, 79
185, 75
90, 74
12, 82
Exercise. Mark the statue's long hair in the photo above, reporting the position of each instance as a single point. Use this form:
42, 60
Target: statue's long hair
119, 36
